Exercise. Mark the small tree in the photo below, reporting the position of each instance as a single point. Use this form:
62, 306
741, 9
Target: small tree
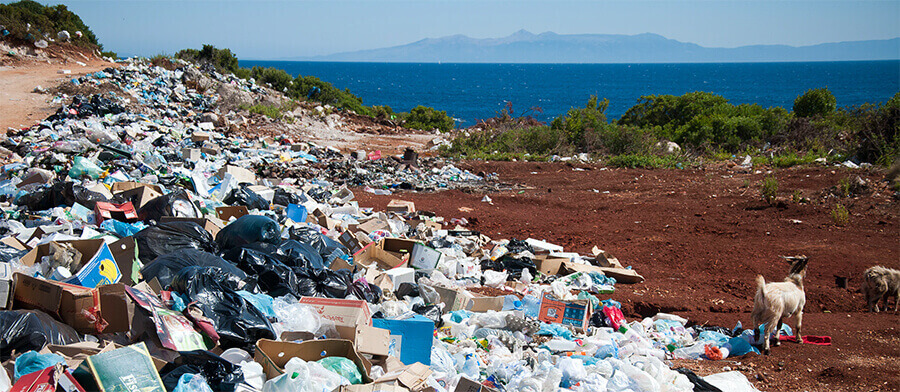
815, 102
426, 119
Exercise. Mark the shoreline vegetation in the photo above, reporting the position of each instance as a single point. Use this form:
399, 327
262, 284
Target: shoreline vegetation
660, 131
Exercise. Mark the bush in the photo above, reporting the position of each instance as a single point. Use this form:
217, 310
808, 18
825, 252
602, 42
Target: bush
577, 122
815, 102
643, 161
426, 119
222, 59
44, 20
769, 189
878, 132
266, 110
839, 215
275, 78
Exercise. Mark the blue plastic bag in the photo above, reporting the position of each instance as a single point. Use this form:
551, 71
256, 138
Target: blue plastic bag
192, 383
31, 362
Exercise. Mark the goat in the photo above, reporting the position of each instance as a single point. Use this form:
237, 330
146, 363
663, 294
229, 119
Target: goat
776, 301
881, 283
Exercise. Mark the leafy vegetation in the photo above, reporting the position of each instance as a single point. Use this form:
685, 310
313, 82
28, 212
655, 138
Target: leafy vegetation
426, 119
769, 189
840, 215
45, 21
815, 102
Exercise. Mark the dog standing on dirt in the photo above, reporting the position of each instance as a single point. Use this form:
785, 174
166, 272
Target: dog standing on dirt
881, 283
776, 301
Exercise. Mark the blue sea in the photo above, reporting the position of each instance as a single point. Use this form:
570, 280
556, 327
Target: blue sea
469, 92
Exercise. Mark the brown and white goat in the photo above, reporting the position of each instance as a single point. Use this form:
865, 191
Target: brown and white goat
776, 301
880, 283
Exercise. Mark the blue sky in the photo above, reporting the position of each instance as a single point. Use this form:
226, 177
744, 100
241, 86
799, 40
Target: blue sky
277, 29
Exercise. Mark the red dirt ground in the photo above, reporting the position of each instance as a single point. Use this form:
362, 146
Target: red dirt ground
700, 237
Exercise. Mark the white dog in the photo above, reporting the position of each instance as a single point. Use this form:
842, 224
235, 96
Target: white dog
881, 283
776, 301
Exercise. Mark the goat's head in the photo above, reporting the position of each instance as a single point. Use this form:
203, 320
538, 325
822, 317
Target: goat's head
798, 265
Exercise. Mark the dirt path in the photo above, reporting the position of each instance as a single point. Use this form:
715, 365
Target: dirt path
700, 237
20, 106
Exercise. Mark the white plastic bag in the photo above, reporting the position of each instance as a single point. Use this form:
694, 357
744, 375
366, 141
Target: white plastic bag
495, 279
302, 376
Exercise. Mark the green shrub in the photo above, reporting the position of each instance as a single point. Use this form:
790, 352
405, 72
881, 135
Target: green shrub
839, 215
878, 132
266, 110
222, 59
274, 78
426, 119
815, 102
44, 20
579, 121
769, 189
642, 161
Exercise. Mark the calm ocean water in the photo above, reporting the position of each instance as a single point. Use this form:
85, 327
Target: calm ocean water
475, 91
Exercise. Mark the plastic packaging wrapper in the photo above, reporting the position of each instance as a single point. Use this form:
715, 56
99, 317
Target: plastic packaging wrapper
238, 323
60, 194
298, 317
433, 312
176, 204
342, 366
217, 372
122, 229
31, 362
83, 167
8, 253
247, 230
167, 237
24, 330
165, 268
243, 196
192, 383
302, 376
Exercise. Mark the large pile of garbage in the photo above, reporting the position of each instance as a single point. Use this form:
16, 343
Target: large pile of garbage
135, 230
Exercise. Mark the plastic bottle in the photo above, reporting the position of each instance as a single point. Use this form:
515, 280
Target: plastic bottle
532, 305
606, 351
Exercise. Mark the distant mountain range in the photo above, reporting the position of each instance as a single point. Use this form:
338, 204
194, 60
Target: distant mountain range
549, 47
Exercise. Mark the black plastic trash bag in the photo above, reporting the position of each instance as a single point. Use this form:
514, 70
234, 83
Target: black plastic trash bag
433, 312
244, 196
512, 265
167, 237
176, 203
336, 284
221, 375
165, 267
24, 330
238, 323
283, 198
366, 291
8, 253
60, 194
598, 319
247, 230
328, 248
407, 289
273, 277
291, 253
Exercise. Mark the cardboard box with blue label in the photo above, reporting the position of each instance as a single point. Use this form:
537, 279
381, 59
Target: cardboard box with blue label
410, 339
96, 267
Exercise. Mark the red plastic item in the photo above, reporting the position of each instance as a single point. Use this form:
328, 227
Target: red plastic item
713, 352
614, 316
53, 378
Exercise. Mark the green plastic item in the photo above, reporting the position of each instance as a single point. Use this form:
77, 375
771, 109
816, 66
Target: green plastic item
342, 366
595, 302
84, 167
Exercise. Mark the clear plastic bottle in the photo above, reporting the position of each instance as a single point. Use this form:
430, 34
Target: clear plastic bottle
532, 305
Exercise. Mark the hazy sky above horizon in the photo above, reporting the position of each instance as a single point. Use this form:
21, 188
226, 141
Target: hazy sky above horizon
256, 29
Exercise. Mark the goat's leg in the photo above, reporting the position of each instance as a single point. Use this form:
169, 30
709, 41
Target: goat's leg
799, 325
778, 332
766, 334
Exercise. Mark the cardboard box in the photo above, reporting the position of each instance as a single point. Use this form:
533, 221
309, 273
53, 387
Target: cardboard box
53, 378
141, 195
373, 388
6, 286
124, 252
399, 276
549, 265
411, 338
97, 266
350, 241
273, 355
124, 212
128, 185
129, 368
575, 313
424, 257
200, 136
374, 254
104, 309
226, 213
240, 174
373, 225
344, 312
399, 247
413, 377
191, 154
401, 206
480, 303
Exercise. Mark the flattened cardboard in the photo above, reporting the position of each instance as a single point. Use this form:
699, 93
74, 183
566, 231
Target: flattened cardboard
226, 213
127, 185
413, 377
124, 212
575, 313
349, 240
273, 355
140, 374
239, 173
344, 312
97, 266
373, 225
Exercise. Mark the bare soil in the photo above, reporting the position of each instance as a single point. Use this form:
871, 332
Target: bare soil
700, 237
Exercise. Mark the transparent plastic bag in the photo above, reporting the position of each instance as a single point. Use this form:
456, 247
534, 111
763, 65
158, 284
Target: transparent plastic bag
302, 376
344, 367
83, 167
192, 383
494, 279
